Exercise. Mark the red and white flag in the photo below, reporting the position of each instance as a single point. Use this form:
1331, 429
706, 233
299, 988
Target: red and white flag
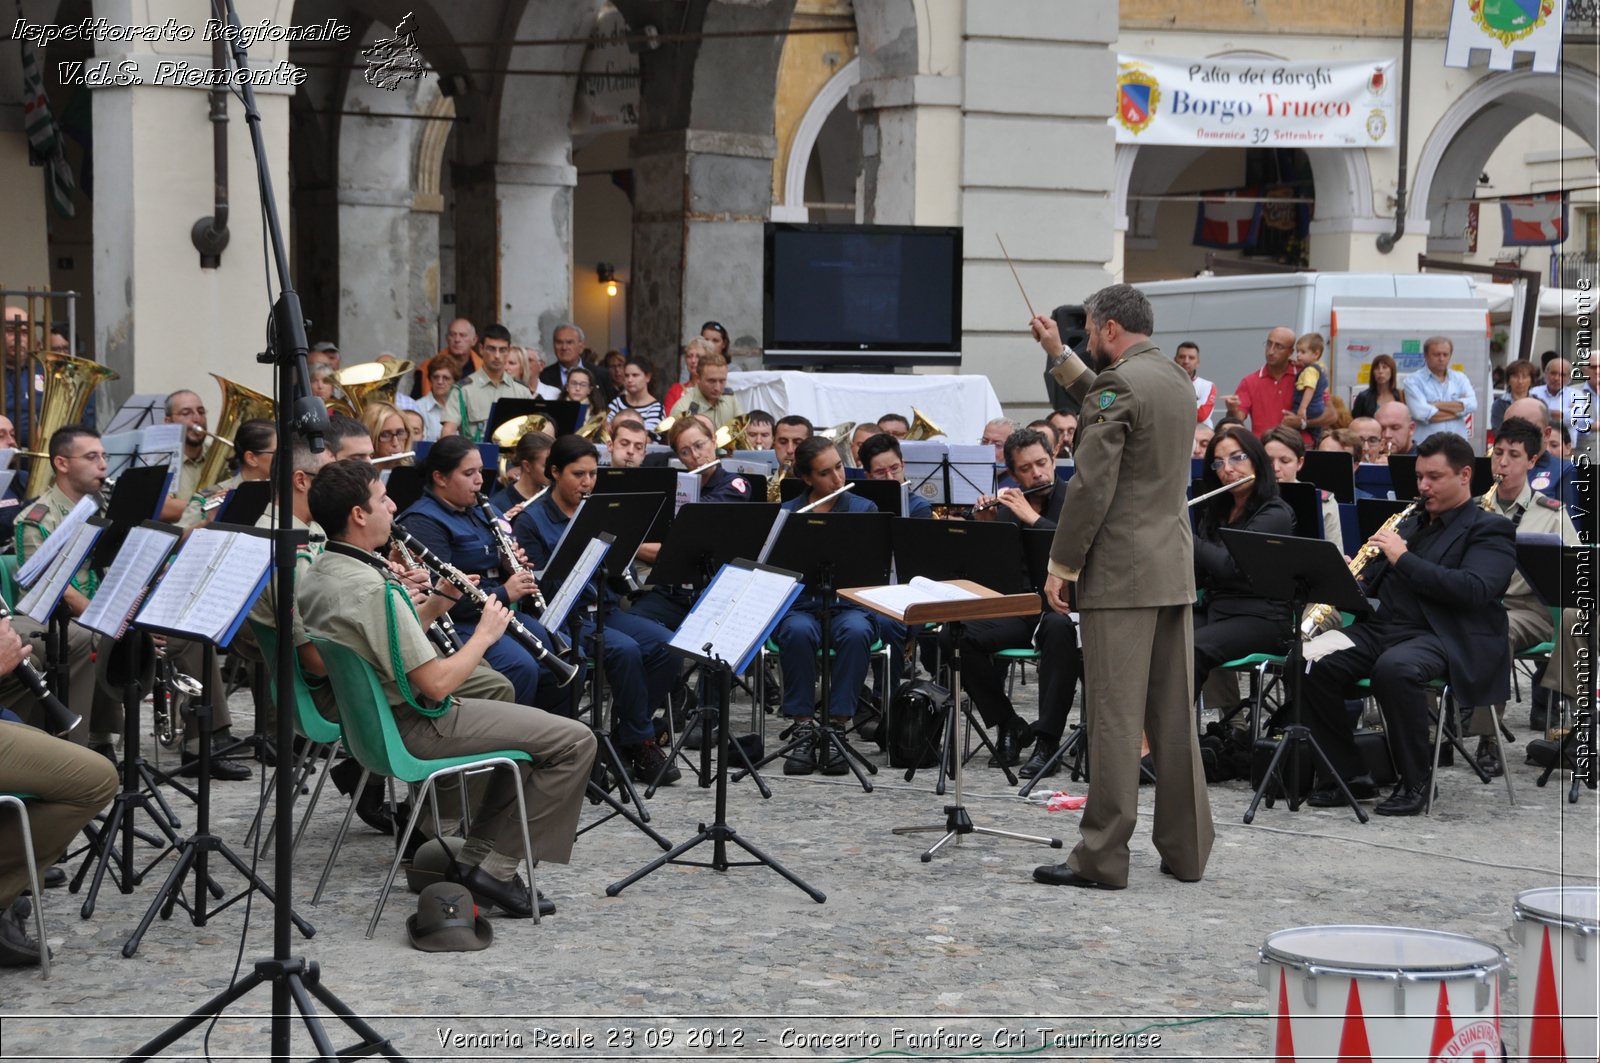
1534, 220
1227, 222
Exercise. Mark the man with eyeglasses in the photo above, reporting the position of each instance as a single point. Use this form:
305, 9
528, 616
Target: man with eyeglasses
1370, 433
482, 390
185, 408
1266, 397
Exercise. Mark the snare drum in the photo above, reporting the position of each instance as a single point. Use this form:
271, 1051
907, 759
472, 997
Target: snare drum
1556, 971
1382, 993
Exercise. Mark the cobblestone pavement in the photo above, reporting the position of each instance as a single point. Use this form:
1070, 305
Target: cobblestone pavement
958, 958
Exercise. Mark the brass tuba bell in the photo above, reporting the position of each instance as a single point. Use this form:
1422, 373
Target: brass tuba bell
594, 429
239, 404
68, 383
368, 380
922, 428
732, 436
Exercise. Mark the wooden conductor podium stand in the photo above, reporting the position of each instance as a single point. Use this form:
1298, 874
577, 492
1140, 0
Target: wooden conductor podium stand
952, 602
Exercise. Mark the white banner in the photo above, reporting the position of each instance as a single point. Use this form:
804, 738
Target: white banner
1255, 102
1501, 29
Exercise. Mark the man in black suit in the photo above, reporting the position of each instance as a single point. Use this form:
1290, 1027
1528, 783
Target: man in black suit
567, 342
1438, 581
1032, 466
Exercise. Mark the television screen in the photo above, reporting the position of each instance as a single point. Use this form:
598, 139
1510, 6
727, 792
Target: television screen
862, 295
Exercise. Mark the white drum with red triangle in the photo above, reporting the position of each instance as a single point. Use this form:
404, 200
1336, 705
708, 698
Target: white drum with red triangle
1558, 991
1365, 994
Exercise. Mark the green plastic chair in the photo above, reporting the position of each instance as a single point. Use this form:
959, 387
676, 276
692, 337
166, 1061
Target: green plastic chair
322, 737
8, 579
1258, 665
373, 737
20, 802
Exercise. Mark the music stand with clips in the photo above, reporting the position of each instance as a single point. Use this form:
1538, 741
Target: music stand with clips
1298, 571
1563, 576
704, 537
983, 552
758, 596
830, 549
952, 602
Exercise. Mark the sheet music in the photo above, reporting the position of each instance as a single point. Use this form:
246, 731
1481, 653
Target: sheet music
41, 601
745, 467
971, 472
141, 557
735, 612
215, 579
120, 448
56, 541
161, 444
772, 535
688, 490
6, 454
903, 596
6, 475
557, 609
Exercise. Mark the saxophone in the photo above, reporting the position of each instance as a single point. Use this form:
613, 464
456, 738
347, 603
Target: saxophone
1322, 617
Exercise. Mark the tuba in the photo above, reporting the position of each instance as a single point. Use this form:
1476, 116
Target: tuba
731, 436
370, 380
68, 383
594, 429
239, 404
922, 428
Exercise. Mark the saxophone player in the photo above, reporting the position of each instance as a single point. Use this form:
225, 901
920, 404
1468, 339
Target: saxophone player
1438, 580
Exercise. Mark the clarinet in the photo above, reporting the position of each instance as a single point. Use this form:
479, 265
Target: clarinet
62, 717
442, 632
565, 673
508, 557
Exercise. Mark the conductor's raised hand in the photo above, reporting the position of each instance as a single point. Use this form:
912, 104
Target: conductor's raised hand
1047, 335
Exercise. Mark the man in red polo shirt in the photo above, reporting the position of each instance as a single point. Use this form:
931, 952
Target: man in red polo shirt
1266, 396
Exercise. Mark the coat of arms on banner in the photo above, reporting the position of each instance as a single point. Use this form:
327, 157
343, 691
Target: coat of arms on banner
1508, 21
1138, 96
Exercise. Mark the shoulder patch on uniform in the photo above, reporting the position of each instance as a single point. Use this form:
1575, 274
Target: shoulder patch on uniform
1107, 397
1546, 501
740, 484
37, 514
1541, 481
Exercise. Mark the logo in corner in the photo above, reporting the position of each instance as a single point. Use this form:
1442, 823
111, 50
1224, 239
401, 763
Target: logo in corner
1508, 21
392, 60
1138, 96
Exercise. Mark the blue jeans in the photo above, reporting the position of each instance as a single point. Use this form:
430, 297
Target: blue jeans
799, 636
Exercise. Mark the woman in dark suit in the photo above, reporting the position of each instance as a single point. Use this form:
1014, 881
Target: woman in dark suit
1230, 620
1383, 385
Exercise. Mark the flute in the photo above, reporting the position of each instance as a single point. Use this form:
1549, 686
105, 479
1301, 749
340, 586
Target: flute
1197, 499
565, 673
824, 498
983, 507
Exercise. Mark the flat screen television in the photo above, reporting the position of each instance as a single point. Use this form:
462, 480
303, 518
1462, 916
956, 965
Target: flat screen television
861, 295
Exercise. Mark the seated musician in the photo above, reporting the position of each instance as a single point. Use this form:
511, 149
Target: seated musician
1517, 444
1031, 464
351, 596
881, 459
1287, 449
799, 633
254, 444
525, 473
709, 394
78, 461
787, 435
758, 430
184, 407
1230, 620
1438, 580
640, 670
628, 441
448, 521
348, 438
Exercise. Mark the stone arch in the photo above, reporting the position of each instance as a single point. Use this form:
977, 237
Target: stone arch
822, 106
1466, 135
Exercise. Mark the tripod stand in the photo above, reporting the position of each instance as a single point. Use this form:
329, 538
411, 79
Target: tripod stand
193, 852
1297, 571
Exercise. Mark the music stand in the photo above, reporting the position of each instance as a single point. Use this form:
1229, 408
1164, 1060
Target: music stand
137, 411
830, 549
1297, 571
1306, 503
983, 552
1331, 471
977, 603
1563, 576
657, 481
704, 537
761, 595
1373, 513
136, 498
885, 494
1403, 475
245, 504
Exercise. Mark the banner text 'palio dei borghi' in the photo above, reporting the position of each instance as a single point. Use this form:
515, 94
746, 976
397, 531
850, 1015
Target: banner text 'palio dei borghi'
1254, 102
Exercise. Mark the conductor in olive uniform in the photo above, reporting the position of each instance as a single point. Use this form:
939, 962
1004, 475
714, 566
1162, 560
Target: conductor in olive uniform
1124, 539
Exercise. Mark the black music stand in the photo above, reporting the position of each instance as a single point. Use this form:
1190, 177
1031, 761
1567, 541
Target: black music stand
1297, 571
831, 550
885, 494
1306, 503
137, 498
624, 519
245, 504
713, 654
1374, 513
1563, 576
1331, 471
705, 536
1403, 475
985, 552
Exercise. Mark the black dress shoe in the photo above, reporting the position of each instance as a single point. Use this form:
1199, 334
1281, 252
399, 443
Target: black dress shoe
1008, 750
221, 768
55, 876
1166, 869
1488, 757
1043, 750
802, 759
1362, 788
1406, 800
1063, 875
510, 896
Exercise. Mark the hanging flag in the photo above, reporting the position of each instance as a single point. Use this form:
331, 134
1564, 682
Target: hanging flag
1534, 220
1504, 29
1227, 223
43, 136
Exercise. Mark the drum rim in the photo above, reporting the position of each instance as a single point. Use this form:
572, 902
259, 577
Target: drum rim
1524, 910
1270, 954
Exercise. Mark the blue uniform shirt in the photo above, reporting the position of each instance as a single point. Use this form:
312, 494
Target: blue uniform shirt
463, 539
1558, 478
725, 487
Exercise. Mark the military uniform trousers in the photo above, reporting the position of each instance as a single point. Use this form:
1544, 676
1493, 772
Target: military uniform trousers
1137, 663
71, 783
552, 786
